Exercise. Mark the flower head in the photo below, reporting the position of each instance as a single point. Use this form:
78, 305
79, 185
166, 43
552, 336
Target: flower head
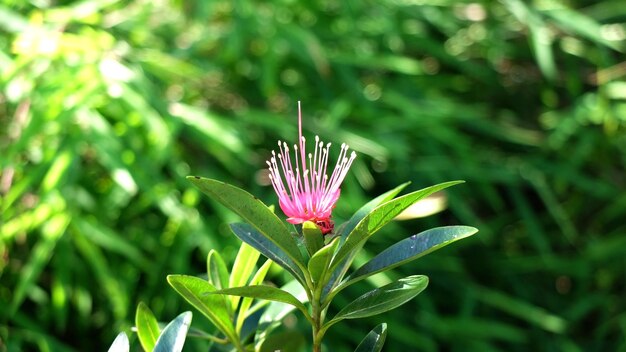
305, 191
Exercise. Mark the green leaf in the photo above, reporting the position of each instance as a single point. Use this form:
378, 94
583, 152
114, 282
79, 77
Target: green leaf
246, 302
409, 249
41, 253
283, 341
265, 292
276, 311
194, 290
582, 25
374, 340
251, 236
379, 217
313, 237
173, 337
381, 299
319, 262
253, 211
349, 225
217, 272
147, 327
120, 344
242, 269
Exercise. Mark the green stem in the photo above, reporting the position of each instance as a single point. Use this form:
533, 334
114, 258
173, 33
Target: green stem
318, 316
317, 325
239, 346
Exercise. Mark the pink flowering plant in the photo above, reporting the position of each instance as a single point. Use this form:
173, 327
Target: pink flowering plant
311, 248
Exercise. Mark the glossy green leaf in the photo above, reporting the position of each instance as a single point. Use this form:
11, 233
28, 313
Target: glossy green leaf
217, 272
276, 311
313, 237
381, 299
320, 261
242, 269
374, 340
174, 334
283, 341
246, 302
264, 292
195, 291
409, 249
253, 211
380, 216
120, 344
147, 327
251, 236
349, 225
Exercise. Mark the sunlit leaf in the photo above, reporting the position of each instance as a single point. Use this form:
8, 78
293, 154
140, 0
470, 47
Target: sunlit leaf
276, 311
251, 236
217, 272
253, 211
374, 340
174, 334
246, 302
320, 261
41, 253
147, 327
349, 225
120, 344
242, 269
195, 291
380, 216
313, 237
381, 299
264, 292
409, 249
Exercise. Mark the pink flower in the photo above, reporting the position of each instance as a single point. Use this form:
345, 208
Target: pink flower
305, 192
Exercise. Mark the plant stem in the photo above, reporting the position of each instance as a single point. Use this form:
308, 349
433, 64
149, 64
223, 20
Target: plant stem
317, 324
318, 315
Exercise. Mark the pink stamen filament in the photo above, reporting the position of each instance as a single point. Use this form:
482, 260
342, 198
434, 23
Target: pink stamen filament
309, 194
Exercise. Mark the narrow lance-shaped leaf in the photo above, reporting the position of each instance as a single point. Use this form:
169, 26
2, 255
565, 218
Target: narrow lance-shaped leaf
380, 216
374, 340
246, 302
194, 290
349, 225
253, 211
120, 344
381, 299
313, 237
217, 272
251, 236
276, 311
409, 249
147, 327
264, 292
242, 269
174, 334
319, 262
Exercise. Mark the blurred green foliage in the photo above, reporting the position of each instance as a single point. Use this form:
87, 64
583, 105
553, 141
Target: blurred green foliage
105, 106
